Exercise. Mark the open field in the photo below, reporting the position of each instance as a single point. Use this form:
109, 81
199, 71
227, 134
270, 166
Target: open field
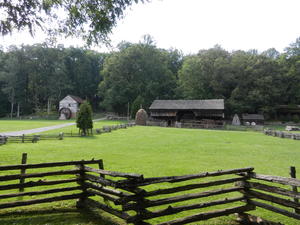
155, 151
15, 125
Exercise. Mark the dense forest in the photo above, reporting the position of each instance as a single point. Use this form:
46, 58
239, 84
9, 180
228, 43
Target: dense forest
34, 78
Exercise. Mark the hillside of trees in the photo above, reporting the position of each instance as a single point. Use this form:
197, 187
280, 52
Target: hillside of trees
34, 78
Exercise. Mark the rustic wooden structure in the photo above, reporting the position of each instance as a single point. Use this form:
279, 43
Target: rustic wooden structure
138, 200
69, 106
173, 111
258, 119
287, 111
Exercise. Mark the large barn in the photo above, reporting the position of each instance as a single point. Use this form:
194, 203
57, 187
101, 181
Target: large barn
172, 111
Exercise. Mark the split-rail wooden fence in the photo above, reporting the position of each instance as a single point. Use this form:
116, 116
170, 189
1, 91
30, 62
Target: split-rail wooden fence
60, 136
139, 200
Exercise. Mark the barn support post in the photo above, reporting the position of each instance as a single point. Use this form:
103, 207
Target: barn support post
294, 188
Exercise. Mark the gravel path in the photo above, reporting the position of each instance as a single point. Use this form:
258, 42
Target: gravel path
41, 129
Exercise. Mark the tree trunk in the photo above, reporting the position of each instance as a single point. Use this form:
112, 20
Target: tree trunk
49, 106
18, 111
12, 109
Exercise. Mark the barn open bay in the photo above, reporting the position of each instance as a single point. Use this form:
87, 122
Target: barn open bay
156, 151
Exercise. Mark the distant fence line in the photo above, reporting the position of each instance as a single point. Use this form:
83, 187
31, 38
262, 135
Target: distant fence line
133, 198
35, 138
282, 134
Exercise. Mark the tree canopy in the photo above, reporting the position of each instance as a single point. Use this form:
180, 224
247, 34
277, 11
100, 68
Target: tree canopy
34, 78
90, 19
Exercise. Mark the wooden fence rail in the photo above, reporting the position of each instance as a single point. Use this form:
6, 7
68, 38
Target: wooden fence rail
139, 200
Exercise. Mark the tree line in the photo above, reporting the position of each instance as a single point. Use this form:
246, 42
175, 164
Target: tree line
34, 78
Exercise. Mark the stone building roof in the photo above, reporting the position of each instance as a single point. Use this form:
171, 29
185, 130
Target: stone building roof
188, 104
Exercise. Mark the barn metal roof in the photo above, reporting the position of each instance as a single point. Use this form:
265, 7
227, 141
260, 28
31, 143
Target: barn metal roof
188, 104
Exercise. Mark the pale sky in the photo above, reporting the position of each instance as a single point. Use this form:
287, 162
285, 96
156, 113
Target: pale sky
191, 25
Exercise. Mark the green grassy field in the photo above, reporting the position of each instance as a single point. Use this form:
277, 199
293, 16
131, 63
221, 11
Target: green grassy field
15, 125
155, 151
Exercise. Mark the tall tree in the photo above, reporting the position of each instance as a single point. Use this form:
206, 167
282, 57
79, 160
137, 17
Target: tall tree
137, 70
90, 19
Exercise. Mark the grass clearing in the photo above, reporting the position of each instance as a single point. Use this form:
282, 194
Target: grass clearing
16, 125
156, 151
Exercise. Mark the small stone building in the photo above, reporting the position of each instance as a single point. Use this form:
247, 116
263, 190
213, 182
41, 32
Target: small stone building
69, 106
188, 111
250, 118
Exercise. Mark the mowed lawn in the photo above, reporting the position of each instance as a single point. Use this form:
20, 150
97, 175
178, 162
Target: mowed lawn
155, 151
16, 125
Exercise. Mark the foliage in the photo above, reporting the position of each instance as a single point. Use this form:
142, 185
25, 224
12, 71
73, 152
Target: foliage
84, 119
37, 77
137, 70
136, 105
90, 19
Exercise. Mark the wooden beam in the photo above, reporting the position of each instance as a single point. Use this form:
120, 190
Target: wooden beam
44, 174
44, 165
209, 215
32, 193
92, 203
174, 210
112, 173
272, 189
173, 179
157, 202
276, 179
275, 209
39, 201
37, 183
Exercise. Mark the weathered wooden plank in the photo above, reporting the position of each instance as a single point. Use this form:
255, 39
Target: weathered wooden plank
192, 186
107, 190
37, 183
101, 180
44, 165
276, 179
92, 203
112, 173
32, 193
44, 174
173, 179
38, 201
181, 188
275, 209
209, 215
272, 189
105, 196
173, 210
157, 202
274, 199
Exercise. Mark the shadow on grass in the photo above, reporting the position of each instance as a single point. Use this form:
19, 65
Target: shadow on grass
56, 216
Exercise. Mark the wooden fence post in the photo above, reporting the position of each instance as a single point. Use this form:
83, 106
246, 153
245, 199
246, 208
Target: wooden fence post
243, 218
293, 175
80, 203
23, 170
23, 138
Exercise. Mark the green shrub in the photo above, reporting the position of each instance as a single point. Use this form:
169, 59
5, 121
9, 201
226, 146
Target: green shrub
84, 118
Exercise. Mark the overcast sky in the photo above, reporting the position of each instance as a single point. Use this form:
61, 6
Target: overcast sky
191, 25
